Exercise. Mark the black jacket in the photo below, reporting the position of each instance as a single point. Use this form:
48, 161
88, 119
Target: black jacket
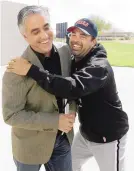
93, 85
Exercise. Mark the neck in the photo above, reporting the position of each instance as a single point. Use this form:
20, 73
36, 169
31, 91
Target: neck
47, 54
78, 58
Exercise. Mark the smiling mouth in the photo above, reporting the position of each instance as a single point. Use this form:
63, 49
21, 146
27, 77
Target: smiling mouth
75, 47
44, 42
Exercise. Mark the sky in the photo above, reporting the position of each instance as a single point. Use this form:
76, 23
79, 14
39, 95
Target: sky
118, 12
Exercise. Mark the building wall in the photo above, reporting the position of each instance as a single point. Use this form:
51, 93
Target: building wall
12, 43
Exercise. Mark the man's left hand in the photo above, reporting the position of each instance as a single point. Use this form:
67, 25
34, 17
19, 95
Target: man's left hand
19, 66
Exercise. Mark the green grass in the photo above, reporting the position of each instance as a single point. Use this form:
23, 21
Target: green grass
120, 54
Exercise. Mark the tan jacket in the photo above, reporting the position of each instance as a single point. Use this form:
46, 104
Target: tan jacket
32, 112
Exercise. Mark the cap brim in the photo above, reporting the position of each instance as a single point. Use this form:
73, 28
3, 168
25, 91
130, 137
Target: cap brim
70, 29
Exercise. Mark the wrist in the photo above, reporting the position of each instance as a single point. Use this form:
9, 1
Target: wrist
28, 67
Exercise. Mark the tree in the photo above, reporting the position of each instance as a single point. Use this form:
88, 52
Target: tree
101, 23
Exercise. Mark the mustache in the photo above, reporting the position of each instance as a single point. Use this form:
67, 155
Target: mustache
73, 43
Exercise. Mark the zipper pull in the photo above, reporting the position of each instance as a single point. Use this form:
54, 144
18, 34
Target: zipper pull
104, 139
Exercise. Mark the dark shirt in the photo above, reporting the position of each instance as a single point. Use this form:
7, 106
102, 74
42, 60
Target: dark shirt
101, 116
51, 64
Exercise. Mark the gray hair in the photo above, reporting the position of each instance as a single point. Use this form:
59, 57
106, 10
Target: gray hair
28, 10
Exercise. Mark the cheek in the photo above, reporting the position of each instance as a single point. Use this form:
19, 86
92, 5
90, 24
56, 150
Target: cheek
51, 35
35, 40
72, 39
87, 44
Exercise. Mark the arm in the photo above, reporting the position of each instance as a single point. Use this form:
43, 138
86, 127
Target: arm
83, 82
14, 98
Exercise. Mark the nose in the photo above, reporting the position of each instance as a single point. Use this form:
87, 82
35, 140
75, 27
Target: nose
75, 40
75, 37
43, 35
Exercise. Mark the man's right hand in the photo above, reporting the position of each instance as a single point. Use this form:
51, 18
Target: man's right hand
66, 122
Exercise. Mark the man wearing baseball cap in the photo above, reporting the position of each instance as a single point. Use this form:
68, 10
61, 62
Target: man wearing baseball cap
85, 25
103, 123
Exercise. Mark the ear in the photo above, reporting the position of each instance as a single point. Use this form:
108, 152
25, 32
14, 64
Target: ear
25, 36
94, 41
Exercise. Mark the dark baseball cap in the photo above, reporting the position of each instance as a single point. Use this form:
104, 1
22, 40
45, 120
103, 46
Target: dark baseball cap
85, 25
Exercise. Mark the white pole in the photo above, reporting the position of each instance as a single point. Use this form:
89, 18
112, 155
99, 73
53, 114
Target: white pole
66, 109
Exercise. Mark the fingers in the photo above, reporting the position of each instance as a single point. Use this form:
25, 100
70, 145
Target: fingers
71, 119
9, 67
65, 123
13, 60
69, 125
66, 130
9, 70
72, 115
69, 128
11, 64
17, 60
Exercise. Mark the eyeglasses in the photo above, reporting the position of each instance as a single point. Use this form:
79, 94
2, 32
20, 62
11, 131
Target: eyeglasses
82, 36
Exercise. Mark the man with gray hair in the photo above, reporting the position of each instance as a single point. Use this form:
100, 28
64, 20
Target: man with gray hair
35, 115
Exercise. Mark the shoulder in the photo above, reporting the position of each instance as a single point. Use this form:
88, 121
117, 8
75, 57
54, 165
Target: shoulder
65, 48
59, 44
65, 52
28, 52
12, 79
102, 62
